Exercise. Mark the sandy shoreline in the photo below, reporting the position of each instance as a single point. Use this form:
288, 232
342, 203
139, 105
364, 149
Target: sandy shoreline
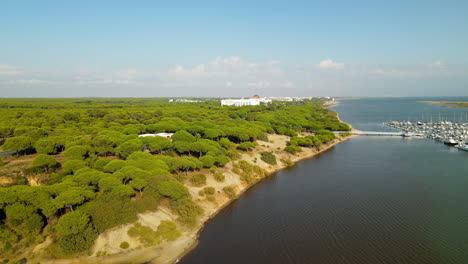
172, 252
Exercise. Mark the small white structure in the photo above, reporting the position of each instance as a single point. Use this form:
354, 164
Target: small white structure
255, 100
164, 135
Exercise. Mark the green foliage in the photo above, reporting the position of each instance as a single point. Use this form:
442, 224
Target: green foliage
209, 190
46, 146
247, 171
107, 184
44, 161
114, 165
187, 210
287, 162
268, 157
219, 176
293, 149
108, 211
101, 163
17, 143
124, 245
128, 147
208, 161
198, 180
72, 223
167, 230
81, 129
246, 146
183, 135
78, 152
173, 189
78, 242
229, 191
73, 165
221, 160
157, 144
73, 196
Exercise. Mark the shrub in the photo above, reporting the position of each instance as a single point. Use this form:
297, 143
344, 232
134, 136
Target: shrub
146, 235
124, 245
219, 176
198, 180
209, 190
168, 230
187, 210
229, 190
1, 162
247, 177
269, 158
287, 162
233, 154
246, 146
210, 198
293, 149
181, 177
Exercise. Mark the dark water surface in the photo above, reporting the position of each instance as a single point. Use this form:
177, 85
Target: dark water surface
368, 200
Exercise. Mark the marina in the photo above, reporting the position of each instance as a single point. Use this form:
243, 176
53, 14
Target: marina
453, 134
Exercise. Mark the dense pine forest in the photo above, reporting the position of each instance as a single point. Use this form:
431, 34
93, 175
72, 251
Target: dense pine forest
71, 169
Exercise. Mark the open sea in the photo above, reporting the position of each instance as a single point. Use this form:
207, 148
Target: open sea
368, 200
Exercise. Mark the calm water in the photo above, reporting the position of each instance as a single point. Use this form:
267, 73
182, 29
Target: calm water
367, 200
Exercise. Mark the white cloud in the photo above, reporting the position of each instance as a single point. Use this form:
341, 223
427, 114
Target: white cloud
226, 66
29, 81
234, 76
436, 64
329, 64
8, 70
260, 84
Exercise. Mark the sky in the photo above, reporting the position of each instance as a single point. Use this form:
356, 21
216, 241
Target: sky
233, 48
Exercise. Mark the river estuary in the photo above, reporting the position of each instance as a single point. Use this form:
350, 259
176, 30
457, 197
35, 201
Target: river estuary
368, 200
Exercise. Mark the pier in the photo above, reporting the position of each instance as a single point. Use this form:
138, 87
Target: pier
376, 133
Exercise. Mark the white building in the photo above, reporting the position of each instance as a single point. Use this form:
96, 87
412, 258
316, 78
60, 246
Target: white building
164, 135
256, 100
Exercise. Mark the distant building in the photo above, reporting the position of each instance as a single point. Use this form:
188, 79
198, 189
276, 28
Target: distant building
281, 99
164, 135
255, 100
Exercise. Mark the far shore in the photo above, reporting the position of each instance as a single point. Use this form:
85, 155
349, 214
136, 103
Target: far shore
447, 103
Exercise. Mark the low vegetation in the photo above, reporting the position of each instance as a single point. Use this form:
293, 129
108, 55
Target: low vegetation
93, 172
268, 157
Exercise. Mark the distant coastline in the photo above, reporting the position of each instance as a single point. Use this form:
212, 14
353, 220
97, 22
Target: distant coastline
447, 103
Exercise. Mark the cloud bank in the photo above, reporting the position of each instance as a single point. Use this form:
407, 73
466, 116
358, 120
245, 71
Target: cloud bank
236, 76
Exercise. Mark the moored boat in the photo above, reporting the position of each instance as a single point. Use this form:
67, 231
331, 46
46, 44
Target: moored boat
451, 142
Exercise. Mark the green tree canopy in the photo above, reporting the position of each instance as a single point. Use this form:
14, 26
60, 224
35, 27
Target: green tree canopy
44, 161
17, 143
72, 223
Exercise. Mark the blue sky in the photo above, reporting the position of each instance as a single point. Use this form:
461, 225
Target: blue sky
227, 48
